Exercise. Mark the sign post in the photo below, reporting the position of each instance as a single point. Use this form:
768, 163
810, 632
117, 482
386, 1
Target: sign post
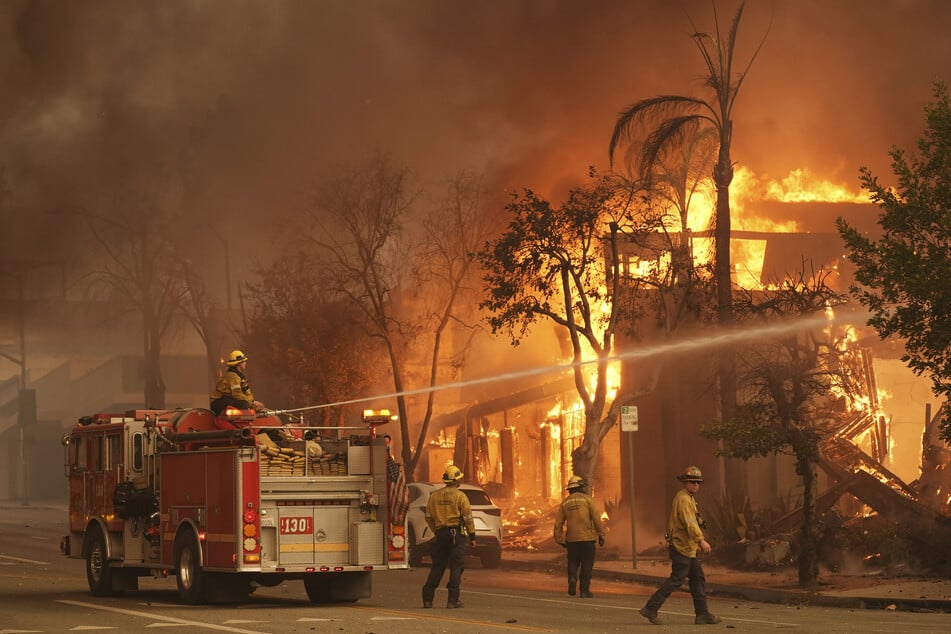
629, 426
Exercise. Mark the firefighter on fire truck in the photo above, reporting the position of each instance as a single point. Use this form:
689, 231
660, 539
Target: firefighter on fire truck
233, 388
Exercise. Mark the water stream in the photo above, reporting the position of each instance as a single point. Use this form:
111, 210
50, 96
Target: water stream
714, 340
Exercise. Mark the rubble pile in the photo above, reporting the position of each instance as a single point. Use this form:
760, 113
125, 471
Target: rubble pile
529, 527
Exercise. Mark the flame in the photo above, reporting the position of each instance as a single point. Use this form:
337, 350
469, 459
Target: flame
801, 185
565, 420
443, 440
747, 189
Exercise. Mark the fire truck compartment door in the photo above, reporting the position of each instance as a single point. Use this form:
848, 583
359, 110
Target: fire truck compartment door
317, 535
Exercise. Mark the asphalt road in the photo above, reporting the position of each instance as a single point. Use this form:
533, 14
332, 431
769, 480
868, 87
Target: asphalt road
42, 591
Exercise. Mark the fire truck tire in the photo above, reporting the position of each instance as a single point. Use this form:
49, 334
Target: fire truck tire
191, 578
98, 572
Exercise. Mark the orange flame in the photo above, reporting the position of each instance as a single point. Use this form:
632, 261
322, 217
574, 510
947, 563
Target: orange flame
748, 255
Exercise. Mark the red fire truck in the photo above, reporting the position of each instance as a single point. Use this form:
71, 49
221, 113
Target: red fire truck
230, 502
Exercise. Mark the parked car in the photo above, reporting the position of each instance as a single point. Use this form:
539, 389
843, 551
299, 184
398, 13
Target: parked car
486, 515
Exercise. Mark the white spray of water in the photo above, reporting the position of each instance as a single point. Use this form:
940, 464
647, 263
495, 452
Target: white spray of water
685, 345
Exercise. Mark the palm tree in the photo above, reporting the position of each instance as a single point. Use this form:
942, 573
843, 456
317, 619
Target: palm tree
674, 119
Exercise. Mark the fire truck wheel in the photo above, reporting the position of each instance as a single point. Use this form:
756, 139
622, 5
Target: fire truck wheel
191, 579
98, 572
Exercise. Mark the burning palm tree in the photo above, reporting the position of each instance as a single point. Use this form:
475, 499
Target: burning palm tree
675, 119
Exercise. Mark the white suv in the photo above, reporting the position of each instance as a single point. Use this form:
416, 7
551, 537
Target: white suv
486, 515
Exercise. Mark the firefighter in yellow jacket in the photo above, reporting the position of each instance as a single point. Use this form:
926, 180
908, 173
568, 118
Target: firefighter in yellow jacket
684, 539
233, 388
577, 526
449, 516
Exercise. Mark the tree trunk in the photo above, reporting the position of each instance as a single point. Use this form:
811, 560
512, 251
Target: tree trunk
584, 458
211, 350
154, 383
808, 553
735, 470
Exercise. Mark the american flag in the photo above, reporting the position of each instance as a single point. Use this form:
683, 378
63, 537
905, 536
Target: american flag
398, 494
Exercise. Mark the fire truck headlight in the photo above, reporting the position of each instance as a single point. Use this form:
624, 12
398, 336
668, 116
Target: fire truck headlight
398, 541
250, 544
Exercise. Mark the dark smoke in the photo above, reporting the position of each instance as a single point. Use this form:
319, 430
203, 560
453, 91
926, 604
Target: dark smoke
234, 105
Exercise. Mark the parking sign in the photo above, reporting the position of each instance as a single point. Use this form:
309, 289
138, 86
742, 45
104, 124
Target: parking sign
628, 418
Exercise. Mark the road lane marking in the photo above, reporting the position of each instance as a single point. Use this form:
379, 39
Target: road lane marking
25, 561
436, 617
157, 617
575, 602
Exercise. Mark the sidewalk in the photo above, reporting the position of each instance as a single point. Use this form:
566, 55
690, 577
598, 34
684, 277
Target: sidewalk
872, 591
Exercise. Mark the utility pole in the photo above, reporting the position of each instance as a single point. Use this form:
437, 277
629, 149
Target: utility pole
629, 427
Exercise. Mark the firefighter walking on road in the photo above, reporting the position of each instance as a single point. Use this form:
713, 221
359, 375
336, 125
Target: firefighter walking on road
449, 517
577, 526
684, 538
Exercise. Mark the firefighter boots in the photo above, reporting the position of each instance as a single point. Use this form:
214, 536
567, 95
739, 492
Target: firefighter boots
454, 599
706, 619
651, 615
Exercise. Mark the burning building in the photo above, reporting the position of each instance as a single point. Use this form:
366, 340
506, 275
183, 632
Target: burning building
519, 445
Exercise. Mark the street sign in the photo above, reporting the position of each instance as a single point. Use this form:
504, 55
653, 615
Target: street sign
628, 418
